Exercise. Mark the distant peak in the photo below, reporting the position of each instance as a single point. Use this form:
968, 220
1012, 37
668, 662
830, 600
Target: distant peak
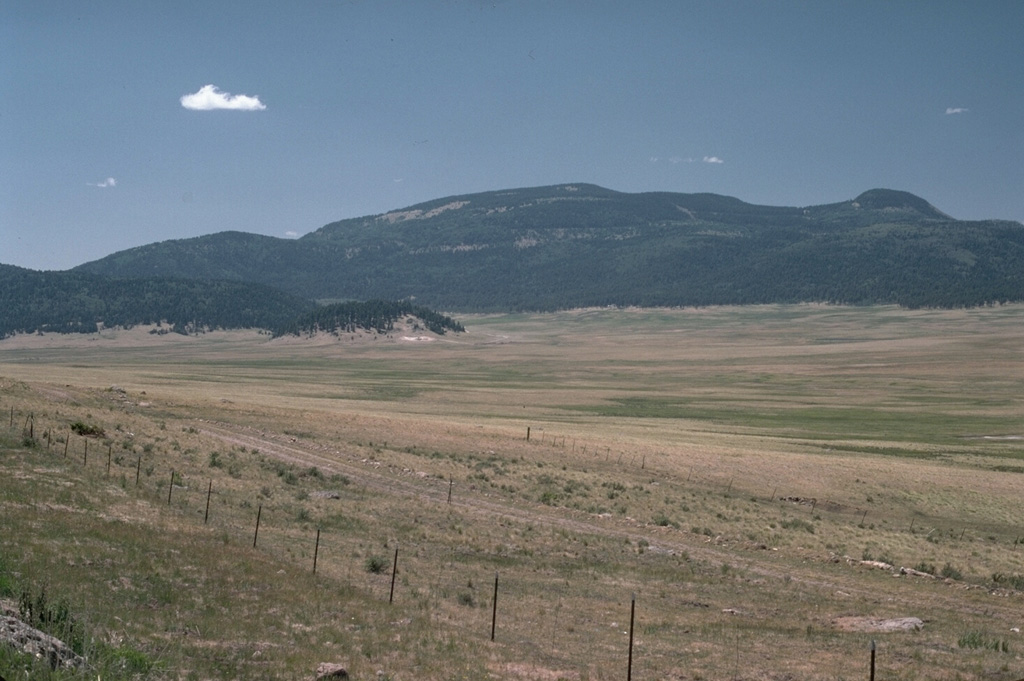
891, 199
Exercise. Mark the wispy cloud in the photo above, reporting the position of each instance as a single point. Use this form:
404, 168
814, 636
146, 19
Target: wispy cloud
956, 110
209, 98
713, 159
674, 160
291, 234
109, 182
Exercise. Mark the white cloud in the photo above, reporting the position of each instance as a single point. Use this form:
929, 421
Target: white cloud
209, 98
713, 159
291, 234
956, 110
109, 182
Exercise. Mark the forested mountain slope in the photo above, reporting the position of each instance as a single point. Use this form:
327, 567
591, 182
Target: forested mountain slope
581, 245
70, 302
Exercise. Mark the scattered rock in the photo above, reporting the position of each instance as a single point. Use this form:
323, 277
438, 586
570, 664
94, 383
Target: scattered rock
876, 564
330, 670
30, 640
869, 624
915, 573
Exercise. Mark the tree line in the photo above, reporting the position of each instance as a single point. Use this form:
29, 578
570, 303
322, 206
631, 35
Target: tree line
372, 315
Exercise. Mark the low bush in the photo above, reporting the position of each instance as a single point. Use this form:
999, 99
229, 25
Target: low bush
376, 565
86, 430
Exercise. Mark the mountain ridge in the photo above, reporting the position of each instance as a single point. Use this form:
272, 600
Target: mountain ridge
579, 245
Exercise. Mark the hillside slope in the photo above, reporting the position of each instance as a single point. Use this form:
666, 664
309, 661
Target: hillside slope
72, 302
581, 245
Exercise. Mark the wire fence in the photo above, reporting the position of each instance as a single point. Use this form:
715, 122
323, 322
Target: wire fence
448, 578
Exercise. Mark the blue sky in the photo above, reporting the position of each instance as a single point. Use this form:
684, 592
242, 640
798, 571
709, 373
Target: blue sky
360, 107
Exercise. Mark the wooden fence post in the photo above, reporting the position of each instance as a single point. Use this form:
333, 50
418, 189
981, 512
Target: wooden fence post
394, 571
256, 534
629, 663
494, 607
316, 549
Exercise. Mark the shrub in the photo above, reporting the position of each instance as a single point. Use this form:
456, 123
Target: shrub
797, 524
38, 612
133, 661
950, 572
549, 498
662, 520
976, 639
1015, 581
86, 430
376, 565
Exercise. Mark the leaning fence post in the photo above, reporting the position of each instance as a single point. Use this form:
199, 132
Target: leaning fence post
209, 491
316, 549
494, 606
256, 534
170, 488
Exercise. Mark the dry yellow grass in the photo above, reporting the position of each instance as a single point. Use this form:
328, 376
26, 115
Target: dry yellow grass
730, 466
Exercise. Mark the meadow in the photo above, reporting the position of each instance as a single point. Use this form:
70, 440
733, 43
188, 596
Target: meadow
755, 477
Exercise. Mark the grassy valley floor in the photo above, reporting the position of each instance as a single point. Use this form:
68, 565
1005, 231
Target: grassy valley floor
755, 477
